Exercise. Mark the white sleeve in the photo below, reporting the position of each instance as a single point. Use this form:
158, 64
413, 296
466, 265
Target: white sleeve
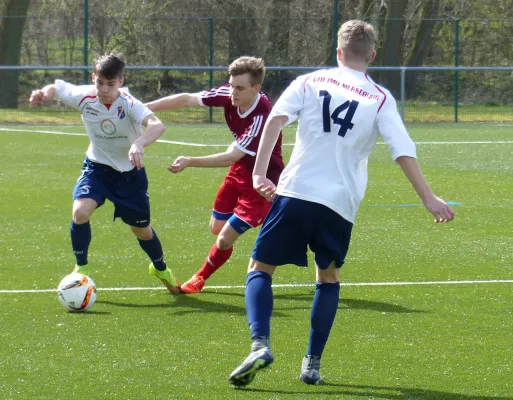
138, 111
291, 101
393, 131
72, 95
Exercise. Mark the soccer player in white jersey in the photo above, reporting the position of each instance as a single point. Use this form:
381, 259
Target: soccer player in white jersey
341, 114
119, 128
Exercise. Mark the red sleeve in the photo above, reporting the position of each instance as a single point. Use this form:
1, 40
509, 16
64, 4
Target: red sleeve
217, 97
248, 142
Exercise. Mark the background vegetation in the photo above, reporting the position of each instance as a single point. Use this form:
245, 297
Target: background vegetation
284, 32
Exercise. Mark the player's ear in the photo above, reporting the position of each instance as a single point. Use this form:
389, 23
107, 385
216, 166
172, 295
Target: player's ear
373, 56
340, 55
121, 80
93, 77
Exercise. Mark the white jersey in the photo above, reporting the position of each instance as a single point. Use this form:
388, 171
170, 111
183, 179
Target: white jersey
341, 113
111, 131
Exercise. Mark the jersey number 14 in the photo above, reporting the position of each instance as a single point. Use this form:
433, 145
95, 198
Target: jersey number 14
345, 123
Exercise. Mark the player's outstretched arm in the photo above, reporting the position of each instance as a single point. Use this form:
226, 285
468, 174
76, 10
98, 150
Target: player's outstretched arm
272, 128
39, 95
154, 129
229, 157
439, 208
174, 102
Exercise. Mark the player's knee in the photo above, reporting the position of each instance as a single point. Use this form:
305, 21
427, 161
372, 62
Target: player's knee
215, 230
330, 275
328, 279
142, 233
224, 243
216, 227
80, 215
255, 265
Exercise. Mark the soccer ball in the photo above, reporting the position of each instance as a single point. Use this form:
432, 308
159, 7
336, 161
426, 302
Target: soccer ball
77, 292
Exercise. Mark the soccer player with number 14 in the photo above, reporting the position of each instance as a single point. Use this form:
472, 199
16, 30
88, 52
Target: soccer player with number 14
341, 114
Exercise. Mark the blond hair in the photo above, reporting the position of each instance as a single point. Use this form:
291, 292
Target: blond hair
249, 65
357, 40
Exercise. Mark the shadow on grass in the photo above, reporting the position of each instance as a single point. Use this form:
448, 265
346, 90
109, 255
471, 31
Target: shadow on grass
352, 304
378, 392
188, 304
89, 312
355, 304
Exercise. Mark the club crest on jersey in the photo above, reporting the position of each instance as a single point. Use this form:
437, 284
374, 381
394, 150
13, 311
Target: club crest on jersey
121, 112
108, 127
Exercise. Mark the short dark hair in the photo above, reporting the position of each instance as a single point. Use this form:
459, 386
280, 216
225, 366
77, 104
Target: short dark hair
110, 65
249, 65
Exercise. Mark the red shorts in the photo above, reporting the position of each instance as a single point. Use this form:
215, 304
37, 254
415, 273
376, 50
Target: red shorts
233, 197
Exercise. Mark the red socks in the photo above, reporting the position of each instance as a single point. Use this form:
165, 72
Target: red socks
216, 258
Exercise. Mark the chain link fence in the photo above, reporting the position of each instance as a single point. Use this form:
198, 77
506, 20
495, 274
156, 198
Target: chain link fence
157, 40
290, 43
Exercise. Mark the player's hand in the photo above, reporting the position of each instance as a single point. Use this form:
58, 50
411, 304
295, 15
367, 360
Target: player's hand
37, 97
135, 155
264, 187
440, 209
178, 165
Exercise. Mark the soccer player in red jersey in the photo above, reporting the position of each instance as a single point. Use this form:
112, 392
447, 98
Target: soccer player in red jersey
237, 206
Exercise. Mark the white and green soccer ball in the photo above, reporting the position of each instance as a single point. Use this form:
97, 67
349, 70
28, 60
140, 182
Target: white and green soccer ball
77, 292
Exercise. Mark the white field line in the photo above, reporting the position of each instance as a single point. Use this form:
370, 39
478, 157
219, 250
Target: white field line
227, 144
43, 131
286, 285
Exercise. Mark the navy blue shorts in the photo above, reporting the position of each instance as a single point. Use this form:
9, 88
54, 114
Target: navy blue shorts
292, 225
127, 190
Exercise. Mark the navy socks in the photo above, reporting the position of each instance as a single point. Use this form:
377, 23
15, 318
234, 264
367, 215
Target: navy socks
154, 250
259, 303
80, 241
259, 306
324, 309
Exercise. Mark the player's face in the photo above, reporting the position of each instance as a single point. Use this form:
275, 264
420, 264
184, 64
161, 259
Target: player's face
243, 94
107, 88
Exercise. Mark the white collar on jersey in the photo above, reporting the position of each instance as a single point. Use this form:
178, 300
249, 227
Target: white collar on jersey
353, 70
250, 108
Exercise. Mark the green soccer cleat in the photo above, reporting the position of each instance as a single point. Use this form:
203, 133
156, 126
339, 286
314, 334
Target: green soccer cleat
82, 269
167, 279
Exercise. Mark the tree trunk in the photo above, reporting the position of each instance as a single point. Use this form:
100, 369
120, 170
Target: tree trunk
277, 52
421, 43
391, 53
277, 48
379, 27
11, 33
366, 9
243, 32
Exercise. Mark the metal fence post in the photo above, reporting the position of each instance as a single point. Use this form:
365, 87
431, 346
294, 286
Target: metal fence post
403, 90
211, 64
335, 29
86, 40
456, 64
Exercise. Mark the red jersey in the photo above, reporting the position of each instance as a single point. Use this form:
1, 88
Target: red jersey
247, 130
